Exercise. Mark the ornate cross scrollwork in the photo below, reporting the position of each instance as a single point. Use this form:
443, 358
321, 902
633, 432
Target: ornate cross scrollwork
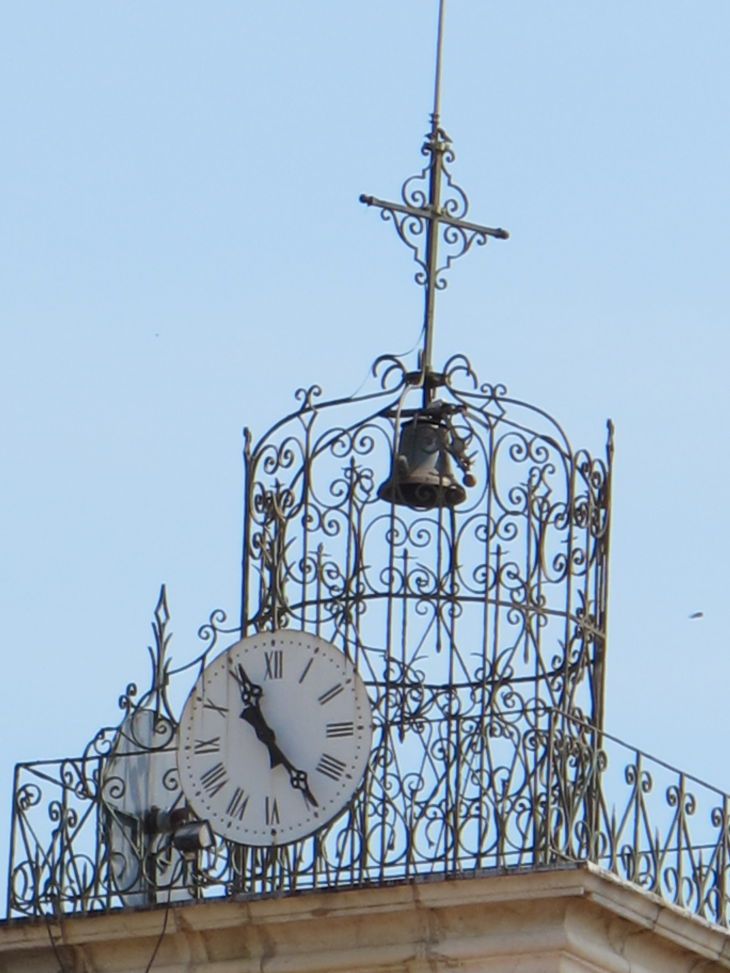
422, 224
432, 214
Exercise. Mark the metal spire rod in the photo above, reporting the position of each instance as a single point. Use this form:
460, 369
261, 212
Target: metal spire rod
439, 48
424, 212
436, 144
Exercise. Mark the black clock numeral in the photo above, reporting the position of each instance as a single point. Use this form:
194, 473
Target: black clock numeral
220, 710
238, 803
340, 729
330, 694
274, 664
306, 670
207, 746
215, 779
331, 767
271, 808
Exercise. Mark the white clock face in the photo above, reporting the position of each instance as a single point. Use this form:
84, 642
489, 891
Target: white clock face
274, 738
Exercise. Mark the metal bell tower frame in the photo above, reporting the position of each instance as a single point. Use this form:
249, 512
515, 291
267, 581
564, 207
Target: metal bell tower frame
475, 615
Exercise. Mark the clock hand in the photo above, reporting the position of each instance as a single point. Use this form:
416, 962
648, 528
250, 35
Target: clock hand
251, 695
297, 778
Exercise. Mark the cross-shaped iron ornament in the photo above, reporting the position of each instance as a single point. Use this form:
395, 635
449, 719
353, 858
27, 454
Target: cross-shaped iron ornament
424, 213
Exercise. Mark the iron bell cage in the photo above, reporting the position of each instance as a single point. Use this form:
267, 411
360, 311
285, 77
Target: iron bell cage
456, 549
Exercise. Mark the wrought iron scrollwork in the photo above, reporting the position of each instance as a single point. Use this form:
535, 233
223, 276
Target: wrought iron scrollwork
81, 837
419, 210
638, 818
469, 626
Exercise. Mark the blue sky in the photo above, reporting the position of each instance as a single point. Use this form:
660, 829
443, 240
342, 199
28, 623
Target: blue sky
181, 247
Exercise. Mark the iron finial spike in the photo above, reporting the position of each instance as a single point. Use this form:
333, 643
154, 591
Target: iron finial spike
439, 48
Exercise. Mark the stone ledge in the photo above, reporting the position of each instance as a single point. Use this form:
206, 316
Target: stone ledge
567, 918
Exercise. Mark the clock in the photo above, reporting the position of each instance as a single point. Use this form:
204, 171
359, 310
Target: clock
274, 738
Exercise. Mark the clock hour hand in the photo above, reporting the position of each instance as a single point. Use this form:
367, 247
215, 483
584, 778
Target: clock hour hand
251, 698
251, 692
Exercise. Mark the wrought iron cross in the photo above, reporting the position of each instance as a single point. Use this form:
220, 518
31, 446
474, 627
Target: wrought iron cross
433, 208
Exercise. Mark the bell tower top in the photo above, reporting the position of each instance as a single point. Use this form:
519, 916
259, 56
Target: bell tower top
433, 211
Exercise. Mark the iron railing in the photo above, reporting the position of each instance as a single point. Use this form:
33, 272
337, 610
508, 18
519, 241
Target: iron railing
639, 818
568, 793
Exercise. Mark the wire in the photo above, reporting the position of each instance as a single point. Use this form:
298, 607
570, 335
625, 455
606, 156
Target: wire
162, 931
398, 354
62, 968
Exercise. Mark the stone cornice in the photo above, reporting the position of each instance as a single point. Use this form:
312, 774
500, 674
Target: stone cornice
573, 917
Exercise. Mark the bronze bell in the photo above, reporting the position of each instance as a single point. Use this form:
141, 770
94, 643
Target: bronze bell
421, 475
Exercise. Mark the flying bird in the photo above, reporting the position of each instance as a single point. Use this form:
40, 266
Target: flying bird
697, 615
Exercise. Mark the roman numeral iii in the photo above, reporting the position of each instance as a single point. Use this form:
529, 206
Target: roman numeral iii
340, 729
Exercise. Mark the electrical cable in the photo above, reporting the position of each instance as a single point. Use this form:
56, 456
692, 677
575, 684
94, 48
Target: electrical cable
162, 931
61, 967
402, 354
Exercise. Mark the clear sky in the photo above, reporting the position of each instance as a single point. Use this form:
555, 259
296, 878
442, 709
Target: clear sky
181, 247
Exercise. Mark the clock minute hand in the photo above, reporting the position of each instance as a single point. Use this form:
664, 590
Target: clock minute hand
277, 758
299, 781
251, 713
